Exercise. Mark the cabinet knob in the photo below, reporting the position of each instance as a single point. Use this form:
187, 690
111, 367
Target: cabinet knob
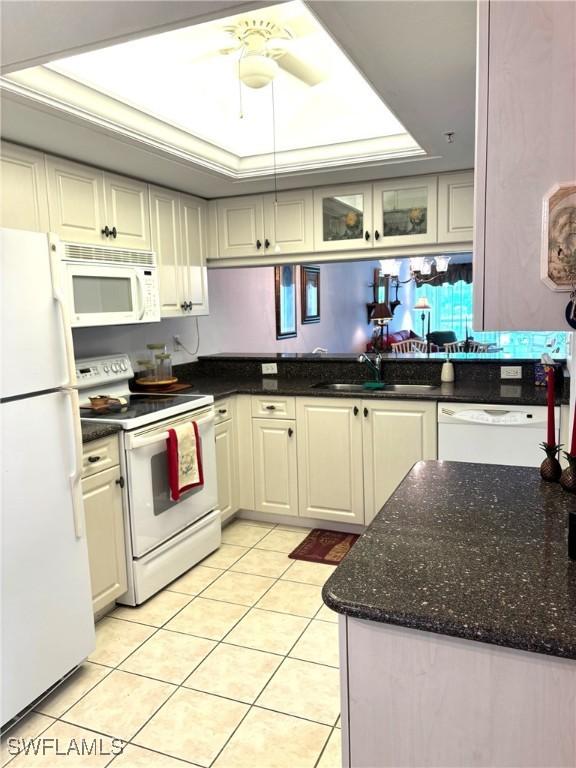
94, 459
366, 235
258, 245
290, 432
376, 235
365, 413
222, 410
120, 482
356, 411
270, 407
106, 231
266, 243
114, 232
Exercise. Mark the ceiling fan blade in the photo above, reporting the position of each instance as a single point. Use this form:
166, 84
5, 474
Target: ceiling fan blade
301, 70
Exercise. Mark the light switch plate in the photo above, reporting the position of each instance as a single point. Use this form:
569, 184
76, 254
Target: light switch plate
269, 368
510, 371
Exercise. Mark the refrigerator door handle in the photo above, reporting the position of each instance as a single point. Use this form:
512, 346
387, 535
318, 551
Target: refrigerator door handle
58, 293
76, 474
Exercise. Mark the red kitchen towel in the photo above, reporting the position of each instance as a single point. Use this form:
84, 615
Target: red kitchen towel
184, 449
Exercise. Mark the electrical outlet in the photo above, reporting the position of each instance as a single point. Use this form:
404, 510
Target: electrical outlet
268, 368
177, 343
510, 371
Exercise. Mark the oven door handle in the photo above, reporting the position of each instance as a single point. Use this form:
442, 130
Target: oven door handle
133, 443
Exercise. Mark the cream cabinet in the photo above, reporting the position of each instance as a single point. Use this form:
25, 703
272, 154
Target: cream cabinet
178, 238
455, 207
240, 223
405, 211
76, 201
330, 476
193, 212
226, 464
127, 210
525, 144
166, 242
343, 218
275, 466
103, 510
88, 205
289, 222
396, 434
23, 198
258, 225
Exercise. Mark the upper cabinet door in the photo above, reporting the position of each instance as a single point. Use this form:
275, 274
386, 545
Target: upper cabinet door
127, 210
525, 145
165, 219
289, 222
343, 218
456, 207
405, 211
193, 212
76, 201
240, 226
24, 201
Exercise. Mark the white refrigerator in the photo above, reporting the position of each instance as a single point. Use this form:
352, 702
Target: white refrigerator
47, 626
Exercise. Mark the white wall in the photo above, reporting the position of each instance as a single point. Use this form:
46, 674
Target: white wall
242, 317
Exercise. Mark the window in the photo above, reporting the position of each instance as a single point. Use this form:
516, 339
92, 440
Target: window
452, 311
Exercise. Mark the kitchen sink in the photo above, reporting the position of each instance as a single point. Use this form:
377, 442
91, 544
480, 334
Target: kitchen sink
372, 386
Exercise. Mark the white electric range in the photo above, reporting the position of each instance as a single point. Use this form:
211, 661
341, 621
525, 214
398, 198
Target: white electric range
164, 538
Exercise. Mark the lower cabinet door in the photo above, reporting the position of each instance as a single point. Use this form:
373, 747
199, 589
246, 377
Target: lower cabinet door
330, 459
105, 536
397, 434
275, 466
226, 468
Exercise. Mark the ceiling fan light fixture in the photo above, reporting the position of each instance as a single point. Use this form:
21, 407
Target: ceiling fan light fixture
257, 71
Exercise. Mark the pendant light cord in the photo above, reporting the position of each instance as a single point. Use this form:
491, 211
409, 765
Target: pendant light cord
274, 145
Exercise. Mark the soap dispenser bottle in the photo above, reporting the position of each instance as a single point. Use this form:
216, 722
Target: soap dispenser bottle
447, 375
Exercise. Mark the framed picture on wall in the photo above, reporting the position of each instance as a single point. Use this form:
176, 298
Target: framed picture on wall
310, 294
558, 259
285, 293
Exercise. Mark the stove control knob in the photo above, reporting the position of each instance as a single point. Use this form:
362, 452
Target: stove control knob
105, 369
123, 366
114, 368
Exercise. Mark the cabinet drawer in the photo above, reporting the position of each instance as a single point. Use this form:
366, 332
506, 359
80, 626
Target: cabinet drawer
274, 407
223, 410
100, 455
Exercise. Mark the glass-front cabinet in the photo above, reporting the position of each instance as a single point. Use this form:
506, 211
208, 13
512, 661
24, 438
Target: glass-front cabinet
405, 211
343, 218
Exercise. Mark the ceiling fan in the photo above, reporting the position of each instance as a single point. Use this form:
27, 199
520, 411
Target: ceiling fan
265, 46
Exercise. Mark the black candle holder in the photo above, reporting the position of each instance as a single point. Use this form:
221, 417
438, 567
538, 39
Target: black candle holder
550, 469
568, 477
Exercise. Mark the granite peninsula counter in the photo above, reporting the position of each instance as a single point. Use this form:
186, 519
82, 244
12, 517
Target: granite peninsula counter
458, 623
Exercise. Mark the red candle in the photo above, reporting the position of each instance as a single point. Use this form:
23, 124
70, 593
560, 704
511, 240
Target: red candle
551, 403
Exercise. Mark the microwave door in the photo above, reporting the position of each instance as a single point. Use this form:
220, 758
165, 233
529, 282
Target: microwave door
104, 296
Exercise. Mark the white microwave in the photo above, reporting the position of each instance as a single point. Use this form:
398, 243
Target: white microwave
109, 286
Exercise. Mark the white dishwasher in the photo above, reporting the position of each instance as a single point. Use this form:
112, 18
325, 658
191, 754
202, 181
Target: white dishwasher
493, 434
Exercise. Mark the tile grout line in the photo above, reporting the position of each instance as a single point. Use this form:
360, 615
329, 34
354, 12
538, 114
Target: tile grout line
219, 642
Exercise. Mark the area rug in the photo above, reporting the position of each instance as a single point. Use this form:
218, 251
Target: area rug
321, 546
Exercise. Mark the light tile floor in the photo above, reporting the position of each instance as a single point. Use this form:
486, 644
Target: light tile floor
233, 665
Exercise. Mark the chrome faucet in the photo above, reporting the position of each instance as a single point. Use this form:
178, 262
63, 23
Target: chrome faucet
375, 365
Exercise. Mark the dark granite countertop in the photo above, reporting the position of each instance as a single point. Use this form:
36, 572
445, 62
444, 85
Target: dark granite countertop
475, 392
92, 430
469, 550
